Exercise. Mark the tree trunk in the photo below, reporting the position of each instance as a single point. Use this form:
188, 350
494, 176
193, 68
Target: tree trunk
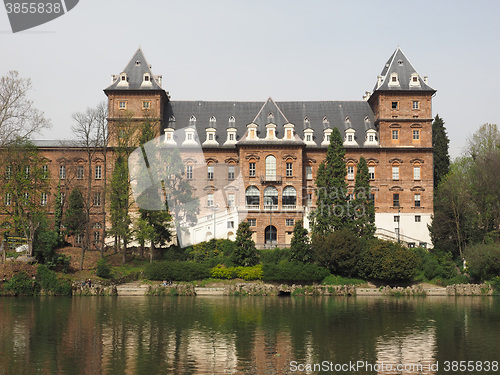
116, 244
141, 249
83, 252
124, 251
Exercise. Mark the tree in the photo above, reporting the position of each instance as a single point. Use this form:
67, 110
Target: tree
58, 213
25, 186
362, 207
88, 129
143, 232
76, 219
485, 140
19, 119
244, 253
440, 144
160, 221
300, 248
332, 211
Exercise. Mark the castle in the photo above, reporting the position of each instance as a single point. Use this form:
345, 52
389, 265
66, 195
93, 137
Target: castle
273, 150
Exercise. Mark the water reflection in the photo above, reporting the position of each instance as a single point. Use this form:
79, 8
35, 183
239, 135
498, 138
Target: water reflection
241, 335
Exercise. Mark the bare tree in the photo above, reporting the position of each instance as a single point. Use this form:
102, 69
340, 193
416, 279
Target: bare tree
19, 119
88, 130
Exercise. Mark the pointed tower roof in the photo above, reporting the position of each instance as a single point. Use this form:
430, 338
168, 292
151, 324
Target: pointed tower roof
399, 75
135, 71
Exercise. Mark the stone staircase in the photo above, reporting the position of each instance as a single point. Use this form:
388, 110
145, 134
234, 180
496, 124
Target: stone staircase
135, 288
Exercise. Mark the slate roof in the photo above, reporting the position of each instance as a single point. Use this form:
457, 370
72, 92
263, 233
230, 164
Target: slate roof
57, 143
135, 70
398, 63
358, 113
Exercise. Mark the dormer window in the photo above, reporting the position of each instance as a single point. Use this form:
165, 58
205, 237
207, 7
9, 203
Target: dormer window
123, 80
350, 138
326, 123
190, 137
231, 137
213, 120
123, 77
308, 137
307, 122
414, 81
231, 121
146, 78
394, 80
192, 121
210, 137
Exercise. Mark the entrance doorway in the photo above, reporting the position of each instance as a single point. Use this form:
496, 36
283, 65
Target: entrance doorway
271, 234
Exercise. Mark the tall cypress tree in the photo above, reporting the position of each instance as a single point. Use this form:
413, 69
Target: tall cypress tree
363, 207
440, 142
244, 253
331, 190
300, 248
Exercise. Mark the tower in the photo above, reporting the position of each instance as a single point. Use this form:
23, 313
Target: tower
135, 97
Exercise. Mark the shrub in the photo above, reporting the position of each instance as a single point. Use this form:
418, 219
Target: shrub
222, 272
388, 261
246, 273
22, 285
339, 280
103, 269
49, 282
274, 255
483, 261
179, 271
244, 253
339, 252
290, 271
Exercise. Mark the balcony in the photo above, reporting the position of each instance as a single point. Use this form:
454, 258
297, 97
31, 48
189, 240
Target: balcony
270, 179
252, 207
289, 207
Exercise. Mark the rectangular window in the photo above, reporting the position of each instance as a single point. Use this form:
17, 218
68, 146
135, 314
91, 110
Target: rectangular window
230, 199
189, 172
210, 172
79, 238
309, 199
417, 200
394, 104
43, 199
122, 104
97, 199
230, 224
27, 172
350, 196
350, 172
62, 172
231, 137
415, 103
251, 169
210, 200
98, 172
8, 172
210, 137
63, 195
396, 219
395, 134
289, 222
308, 138
230, 172
371, 172
146, 104
416, 173
349, 138
309, 172
289, 169
252, 222
418, 218
26, 199
45, 171
97, 236
8, 199
395, 200
79, 172
416, 135
395, 173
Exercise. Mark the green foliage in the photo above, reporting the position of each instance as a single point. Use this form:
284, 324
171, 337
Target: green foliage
49, 282
103, 269
440, 144
483, 261
246, 273
45, 242
331, 211
59, 263
436, 264
496, 284
293, 271
388, 261
75, 218
178, 271
339, 252
300, 248
119, 199
340, 280
22, 285
362, 207
244, 253
275, 255
214, 248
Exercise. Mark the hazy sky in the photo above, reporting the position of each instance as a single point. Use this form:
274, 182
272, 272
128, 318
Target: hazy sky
253, 49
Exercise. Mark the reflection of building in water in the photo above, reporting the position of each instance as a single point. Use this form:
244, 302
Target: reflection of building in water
416, 351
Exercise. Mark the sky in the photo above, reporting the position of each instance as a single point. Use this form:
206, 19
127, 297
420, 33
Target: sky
250, 50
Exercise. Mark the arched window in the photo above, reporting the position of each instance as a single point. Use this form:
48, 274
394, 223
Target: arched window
270, 196
270, 168
289, 196
252, 196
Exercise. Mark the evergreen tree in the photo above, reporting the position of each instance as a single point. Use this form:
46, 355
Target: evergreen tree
362, 206
245, 253
440, 144
300, 249
75, 218
58, 213
331, 211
